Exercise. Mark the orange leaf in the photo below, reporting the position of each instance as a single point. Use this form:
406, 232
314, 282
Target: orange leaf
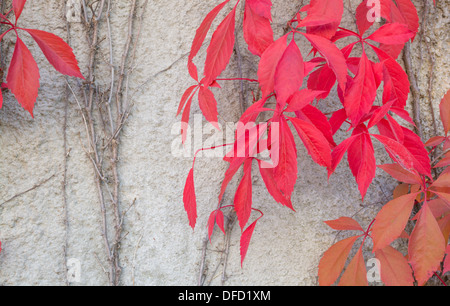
394, 268
442, 182
344, 224
356, 273
447, 261
401, 190
333, 261
444, 225
426, 246
392, 220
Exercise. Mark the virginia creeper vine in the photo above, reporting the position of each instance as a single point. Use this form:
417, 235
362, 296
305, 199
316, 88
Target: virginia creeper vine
351, 71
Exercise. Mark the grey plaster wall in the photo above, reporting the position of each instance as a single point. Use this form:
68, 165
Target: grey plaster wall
44, 225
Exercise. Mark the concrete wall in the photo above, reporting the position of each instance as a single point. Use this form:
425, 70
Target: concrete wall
49, 212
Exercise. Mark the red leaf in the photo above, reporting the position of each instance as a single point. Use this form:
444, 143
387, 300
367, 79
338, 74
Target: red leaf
396, 81
185, 97
394, 268
339, 152
322, 79
392, 34
18, 7
243, 197
23, 76
220, 49
272, 188
409, 12
426, 246
415, 146
397, 151
190, 200
215, 217
445, 112
58, 52
362, 21
286, 167
185, 118
361, 159
360, 96
245, 240
301, 99
323, 12
208, 105
269, 63
335, 59
333, 261
200, 36
401, 174
345, 224
235, 164
317, 145
435, 141
314, 116
391, 220
289, 73
258, 32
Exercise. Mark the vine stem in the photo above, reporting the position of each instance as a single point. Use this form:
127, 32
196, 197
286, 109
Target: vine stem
238, 79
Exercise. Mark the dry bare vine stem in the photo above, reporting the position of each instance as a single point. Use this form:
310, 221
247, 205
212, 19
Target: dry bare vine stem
105, 120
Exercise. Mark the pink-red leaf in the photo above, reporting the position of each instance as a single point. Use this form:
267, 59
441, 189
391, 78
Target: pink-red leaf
258, 32
208, 106
334, 57
243, 197
286, 167
361, 159
58, 52
272, 188
315, 142
362, 21
392, 34
200, 36
333, 261
289, 73
190, 199
397, 151
269, 63
301, 99
18, 7
220, 49
23, 76
245, 240
322, 12
360, 96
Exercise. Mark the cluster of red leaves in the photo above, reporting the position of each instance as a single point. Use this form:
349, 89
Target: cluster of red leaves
282, 73
428, 250
23, 73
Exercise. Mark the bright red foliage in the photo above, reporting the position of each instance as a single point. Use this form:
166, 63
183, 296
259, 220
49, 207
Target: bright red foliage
23, 73
282, 72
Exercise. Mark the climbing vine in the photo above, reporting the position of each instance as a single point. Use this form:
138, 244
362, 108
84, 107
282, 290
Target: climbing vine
295, 84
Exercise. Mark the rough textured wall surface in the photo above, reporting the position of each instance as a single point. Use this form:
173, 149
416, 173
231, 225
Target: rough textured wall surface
49, 212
